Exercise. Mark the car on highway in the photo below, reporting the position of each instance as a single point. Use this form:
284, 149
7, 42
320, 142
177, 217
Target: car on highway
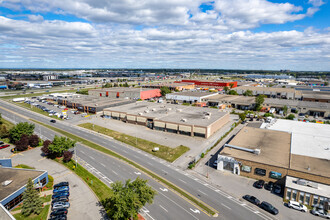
60, 205
297, 206
269, 186
57, 212
61, 184
61, 189
320, 212
53, 121
259, 184
252, 199
269, 208
60, 194
4, 146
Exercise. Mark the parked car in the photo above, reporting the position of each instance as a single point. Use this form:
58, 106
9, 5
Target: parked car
60, 205
4, 146
61, 189
60, 199
252, 199
269, 186
297, 206
269, 208
59, 217
1, 142
60, 194
320, 212
59, 212
53, 121
259, 184
61, 184
277, 188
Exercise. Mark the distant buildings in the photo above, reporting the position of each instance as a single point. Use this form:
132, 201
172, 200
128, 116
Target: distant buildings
129, 93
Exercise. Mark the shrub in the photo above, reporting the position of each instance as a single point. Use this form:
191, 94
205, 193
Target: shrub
34, 140
67, 155
202, 155
23, 143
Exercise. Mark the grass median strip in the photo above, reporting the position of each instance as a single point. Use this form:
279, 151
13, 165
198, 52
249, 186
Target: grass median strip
165, 152
203, 206
35, 109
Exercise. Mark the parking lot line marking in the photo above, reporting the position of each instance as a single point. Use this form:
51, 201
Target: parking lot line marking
225, 206
163, 208
202, 192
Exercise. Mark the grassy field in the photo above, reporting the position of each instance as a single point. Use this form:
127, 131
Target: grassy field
46, 198
166, 153
193, 199
101, 190
42, 215
8, 124
35, 94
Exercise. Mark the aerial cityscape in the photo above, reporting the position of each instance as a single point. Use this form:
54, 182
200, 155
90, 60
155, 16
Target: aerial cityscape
157, 110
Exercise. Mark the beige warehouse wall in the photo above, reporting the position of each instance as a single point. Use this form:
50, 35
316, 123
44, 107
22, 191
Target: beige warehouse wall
217, 125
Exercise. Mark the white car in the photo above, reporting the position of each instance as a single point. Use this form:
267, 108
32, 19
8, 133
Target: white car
320, 212
297, 206
60, 205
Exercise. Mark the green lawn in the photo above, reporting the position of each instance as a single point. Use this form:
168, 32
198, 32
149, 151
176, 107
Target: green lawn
166, 153
46, 199
193, 199
23, 166
101, 190
42, 215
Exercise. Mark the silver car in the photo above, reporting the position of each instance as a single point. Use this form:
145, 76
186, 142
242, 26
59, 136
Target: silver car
320, 212
60, 205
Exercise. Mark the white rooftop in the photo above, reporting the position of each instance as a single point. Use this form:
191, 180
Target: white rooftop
322, 189
308, 139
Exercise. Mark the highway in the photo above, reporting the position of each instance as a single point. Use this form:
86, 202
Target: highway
167, 204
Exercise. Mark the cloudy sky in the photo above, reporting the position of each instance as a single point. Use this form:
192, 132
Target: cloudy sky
224, 34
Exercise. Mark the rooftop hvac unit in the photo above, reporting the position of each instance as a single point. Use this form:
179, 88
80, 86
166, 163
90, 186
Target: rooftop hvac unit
183, 119
6, 183
307, 183
257, 151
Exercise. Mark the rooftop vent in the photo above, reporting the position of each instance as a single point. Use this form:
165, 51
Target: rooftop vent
6, 183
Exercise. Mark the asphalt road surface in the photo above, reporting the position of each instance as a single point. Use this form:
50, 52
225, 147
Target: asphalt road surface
167, 204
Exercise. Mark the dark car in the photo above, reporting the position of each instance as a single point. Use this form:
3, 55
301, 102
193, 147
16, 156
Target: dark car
269, 186
53, 121
4, 146
269, 208
61, 184
61, 194
252, 199
259, 184
59, 217
1, 142
59, 212
277, 188
60, 199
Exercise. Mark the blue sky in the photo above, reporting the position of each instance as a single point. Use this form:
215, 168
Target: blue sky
226, 34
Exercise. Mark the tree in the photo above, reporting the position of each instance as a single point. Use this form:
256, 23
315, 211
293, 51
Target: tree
326, 83
232, 92
290, 117
59, 145
18, 130
32, 203
226, 89
23, 143
126, 200
285, 109
164, 90
126, 84
3, 131
107, 85
67, 155
45, 148
248, 93
242, 116
34, 140
259, 101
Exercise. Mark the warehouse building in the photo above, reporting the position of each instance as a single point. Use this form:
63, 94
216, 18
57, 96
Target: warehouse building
316, 96
90, 104
291, 153
232, 101
212, 84
178, 119
124, 92
13, 183
189, 97
271, 92
171, 86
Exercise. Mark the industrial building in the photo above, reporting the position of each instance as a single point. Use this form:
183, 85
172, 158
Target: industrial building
91, 104
171, 86
178, 119
212, 84
189, 97
232, 101
316, 96
291, 153
13, 183
271, 92
124, 92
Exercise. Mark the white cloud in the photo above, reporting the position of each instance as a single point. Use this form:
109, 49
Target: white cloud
35, 18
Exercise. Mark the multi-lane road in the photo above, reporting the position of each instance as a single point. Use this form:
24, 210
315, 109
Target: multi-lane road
167, 204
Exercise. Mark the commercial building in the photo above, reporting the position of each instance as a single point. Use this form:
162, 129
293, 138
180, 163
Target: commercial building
232, 101
178, 119
316, 96
171, 86
124, 92
291, 153
92, 104
13, 184
189, 97
271, 92
214, 84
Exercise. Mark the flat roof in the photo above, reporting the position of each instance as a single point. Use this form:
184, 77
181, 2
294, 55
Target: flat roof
298, 104
274, 146
316, 95
193, 93
122, 89
312, 165
232, 99
321, 190
308, 139
272, 89
171, 112
19, 179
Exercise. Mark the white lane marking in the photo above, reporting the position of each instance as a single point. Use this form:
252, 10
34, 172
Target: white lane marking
102, 164
163, 208
137, 173
229, 197
164, 190
164, 171
115, 173
243, 204
146, 211
182, 181
217, 190
196, 179
82, 152
225, 206
256, 212
92, 157
125, 151
149, 163
202, 192
195, 210
186, 174
205, 184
